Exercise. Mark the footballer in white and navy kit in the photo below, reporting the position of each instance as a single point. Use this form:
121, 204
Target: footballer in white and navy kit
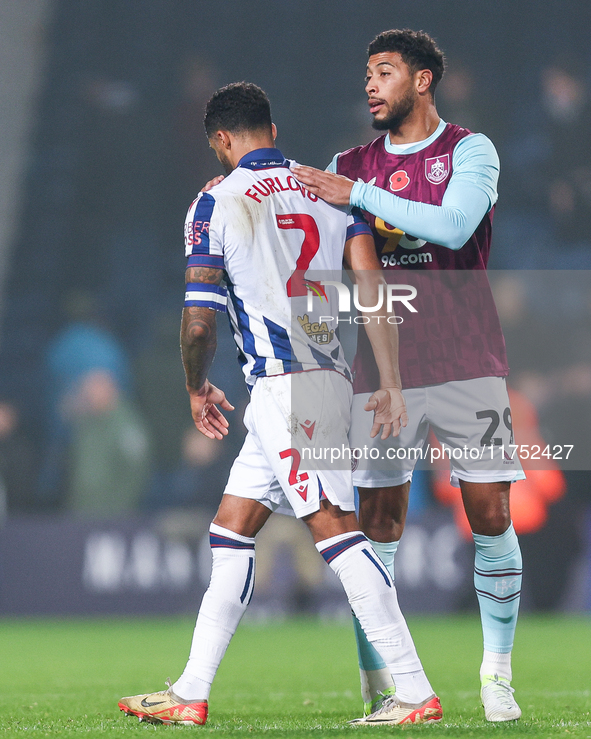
266, 231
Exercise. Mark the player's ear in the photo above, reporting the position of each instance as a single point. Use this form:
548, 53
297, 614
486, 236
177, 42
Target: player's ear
274, 131
223, 139
423, 80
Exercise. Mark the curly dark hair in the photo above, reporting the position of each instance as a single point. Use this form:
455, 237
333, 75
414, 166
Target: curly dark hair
417, 49
240, 106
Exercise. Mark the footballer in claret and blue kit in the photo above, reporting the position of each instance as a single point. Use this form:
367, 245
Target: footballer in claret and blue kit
428, 188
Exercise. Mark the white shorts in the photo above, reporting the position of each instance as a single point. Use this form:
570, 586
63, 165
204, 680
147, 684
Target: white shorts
470, 418
288, 415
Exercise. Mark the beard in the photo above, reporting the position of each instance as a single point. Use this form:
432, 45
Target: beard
398, 113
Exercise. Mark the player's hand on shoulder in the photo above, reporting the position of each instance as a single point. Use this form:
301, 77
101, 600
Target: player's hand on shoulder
207, 416
334, 188
389, 411
212, 183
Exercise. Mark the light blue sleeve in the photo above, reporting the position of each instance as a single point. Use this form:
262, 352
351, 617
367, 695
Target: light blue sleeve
471, 193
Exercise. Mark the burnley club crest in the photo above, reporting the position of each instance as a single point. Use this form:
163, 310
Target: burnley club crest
437, 168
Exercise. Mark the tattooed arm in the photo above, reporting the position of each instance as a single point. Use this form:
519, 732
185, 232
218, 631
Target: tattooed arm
198, 345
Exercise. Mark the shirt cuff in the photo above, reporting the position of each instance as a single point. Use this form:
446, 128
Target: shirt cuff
357, 192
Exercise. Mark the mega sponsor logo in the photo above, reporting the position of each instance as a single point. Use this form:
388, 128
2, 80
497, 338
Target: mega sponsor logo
318, 332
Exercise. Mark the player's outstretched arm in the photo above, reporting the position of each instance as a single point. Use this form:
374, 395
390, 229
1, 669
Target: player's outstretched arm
470, 194
198, 345
334, 188
387, 403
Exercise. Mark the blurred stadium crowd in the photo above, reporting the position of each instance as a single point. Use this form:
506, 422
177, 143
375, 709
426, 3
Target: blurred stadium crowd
94, 418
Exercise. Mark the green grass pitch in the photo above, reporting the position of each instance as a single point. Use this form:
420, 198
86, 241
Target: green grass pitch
293, 679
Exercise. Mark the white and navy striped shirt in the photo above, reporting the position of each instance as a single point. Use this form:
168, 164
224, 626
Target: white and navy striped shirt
267, 232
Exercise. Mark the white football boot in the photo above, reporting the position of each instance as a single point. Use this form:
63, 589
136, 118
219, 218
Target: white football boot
497, 699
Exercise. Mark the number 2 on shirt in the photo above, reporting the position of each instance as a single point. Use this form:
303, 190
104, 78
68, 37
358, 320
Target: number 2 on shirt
296, 285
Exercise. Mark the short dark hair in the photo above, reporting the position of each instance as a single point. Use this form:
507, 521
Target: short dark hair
417, 49
241, 106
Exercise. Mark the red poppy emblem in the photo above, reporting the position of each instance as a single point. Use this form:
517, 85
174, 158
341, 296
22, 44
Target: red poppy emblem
399, 180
